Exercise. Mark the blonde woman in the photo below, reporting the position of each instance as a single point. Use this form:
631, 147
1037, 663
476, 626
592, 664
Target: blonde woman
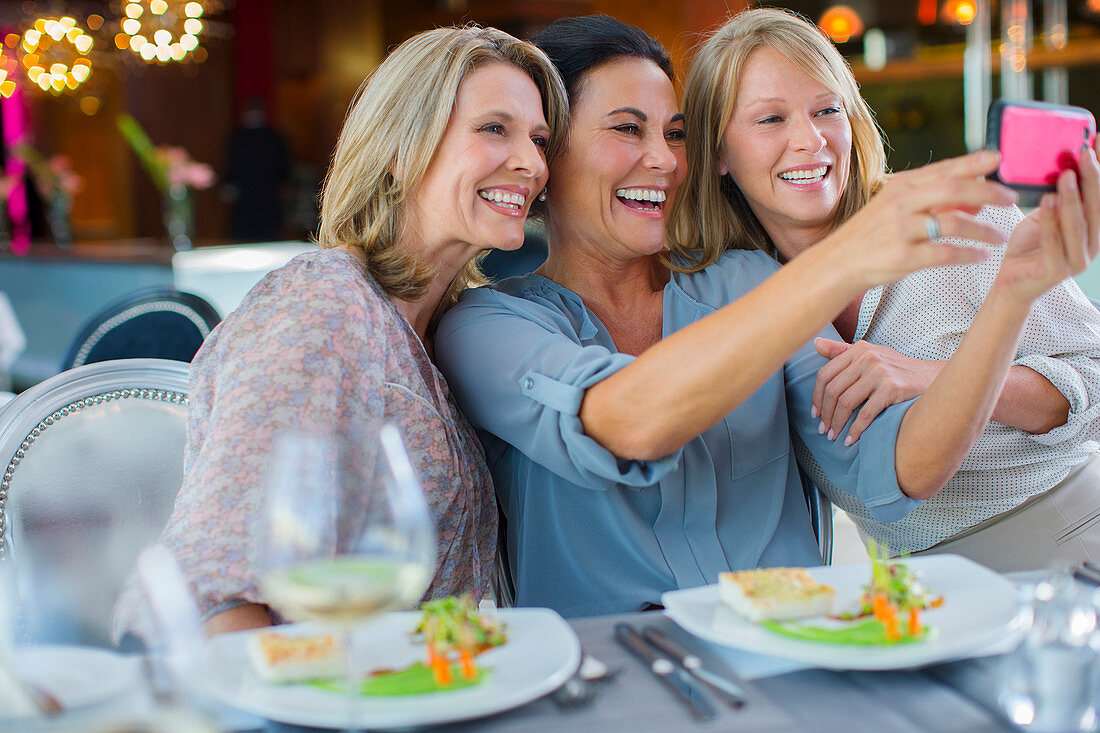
440, 158
783, 152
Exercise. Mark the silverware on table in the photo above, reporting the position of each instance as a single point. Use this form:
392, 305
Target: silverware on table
675, 679
578, 690
724, 688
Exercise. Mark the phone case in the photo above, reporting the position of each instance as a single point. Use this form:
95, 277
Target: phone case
1037, 141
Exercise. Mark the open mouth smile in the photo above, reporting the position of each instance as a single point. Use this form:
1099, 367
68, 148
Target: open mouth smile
506, 202
805, 176
641, 199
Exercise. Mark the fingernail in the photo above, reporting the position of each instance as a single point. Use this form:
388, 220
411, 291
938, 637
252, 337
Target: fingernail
1048, 201
821, 427
813, 411
849, 440
832, 435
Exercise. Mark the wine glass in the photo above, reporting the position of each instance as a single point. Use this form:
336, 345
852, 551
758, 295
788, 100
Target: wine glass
1049, 682
346, 534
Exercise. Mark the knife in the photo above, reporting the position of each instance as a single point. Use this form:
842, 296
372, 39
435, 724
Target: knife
675, 679
726, 689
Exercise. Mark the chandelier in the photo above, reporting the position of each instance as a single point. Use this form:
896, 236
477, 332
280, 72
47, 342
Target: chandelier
161, 31
55, 55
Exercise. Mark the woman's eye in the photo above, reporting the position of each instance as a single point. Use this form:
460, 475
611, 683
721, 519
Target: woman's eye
629, 129
493, 127
770, 119
540, 141
675, 136
829, 111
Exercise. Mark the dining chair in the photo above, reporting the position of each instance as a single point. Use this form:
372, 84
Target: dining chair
92, 460
157, 323
821, 519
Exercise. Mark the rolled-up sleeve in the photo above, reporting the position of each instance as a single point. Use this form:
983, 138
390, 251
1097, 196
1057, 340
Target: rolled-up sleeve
519, 374
865, 470
1061, 341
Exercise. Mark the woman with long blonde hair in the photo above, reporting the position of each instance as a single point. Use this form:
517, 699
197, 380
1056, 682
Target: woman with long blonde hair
440, 158
783, 151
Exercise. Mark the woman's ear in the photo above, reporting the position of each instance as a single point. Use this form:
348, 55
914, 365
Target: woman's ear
722, 169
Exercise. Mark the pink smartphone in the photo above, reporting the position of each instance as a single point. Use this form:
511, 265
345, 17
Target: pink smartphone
1037, 142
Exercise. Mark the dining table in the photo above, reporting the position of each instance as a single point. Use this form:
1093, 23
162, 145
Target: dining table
780, 696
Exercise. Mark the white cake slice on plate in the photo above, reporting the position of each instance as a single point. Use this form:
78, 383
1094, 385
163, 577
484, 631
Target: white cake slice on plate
775, 594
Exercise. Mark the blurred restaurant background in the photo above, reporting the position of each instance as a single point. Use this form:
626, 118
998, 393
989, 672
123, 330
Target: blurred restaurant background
155, 143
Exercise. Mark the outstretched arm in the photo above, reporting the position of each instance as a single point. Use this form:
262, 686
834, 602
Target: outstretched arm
685, 383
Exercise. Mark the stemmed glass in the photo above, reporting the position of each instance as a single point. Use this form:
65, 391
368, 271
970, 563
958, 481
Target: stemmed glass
346, 534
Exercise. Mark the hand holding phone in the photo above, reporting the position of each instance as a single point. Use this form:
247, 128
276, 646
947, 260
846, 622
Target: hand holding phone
1037, 141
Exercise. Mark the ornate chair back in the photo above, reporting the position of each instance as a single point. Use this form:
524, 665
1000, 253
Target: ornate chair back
92, 461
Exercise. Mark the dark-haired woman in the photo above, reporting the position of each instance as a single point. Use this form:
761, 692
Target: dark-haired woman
636, 419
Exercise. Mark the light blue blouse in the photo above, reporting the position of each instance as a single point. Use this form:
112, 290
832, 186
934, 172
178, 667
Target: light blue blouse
589, 533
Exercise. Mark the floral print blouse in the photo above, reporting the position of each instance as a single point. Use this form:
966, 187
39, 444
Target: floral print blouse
317, 347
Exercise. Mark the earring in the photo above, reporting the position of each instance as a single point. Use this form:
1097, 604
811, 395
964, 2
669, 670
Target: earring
542, 195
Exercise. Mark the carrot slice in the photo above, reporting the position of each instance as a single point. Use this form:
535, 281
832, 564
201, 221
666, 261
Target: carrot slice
469, 669
915, 628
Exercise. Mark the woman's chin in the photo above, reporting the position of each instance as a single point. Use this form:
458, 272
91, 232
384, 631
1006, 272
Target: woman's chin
507, 243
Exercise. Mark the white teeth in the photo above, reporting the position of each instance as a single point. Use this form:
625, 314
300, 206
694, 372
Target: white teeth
514, 200
811, 174
641, 194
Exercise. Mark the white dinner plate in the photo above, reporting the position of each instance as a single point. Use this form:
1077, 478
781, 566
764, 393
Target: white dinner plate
77, 676
979, 608
541, 653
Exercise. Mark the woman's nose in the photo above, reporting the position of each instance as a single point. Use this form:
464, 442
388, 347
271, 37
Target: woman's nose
528, 157
660, 157
806, 137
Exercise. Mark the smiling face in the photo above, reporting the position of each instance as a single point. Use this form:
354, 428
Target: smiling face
489, 166
625, 157
788, 147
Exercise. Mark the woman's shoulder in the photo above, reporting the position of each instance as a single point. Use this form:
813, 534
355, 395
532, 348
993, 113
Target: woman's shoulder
320, 281
735, 272
310, 300
529, 297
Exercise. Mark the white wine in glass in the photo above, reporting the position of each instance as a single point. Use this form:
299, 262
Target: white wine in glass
346, 534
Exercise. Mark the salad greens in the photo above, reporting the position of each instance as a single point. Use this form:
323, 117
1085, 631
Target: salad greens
453, 627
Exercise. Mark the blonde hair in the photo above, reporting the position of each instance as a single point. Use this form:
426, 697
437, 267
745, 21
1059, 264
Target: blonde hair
710, 214
395, 124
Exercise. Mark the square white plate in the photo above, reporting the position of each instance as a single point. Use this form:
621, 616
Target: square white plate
979, 608
541, 653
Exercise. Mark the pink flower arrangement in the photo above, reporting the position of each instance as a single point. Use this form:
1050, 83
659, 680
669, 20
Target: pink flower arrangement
53, 176
181, 170
60, 177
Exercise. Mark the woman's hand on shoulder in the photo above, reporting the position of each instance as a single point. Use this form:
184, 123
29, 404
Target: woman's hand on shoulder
891, 236
865, 377
1057, 240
